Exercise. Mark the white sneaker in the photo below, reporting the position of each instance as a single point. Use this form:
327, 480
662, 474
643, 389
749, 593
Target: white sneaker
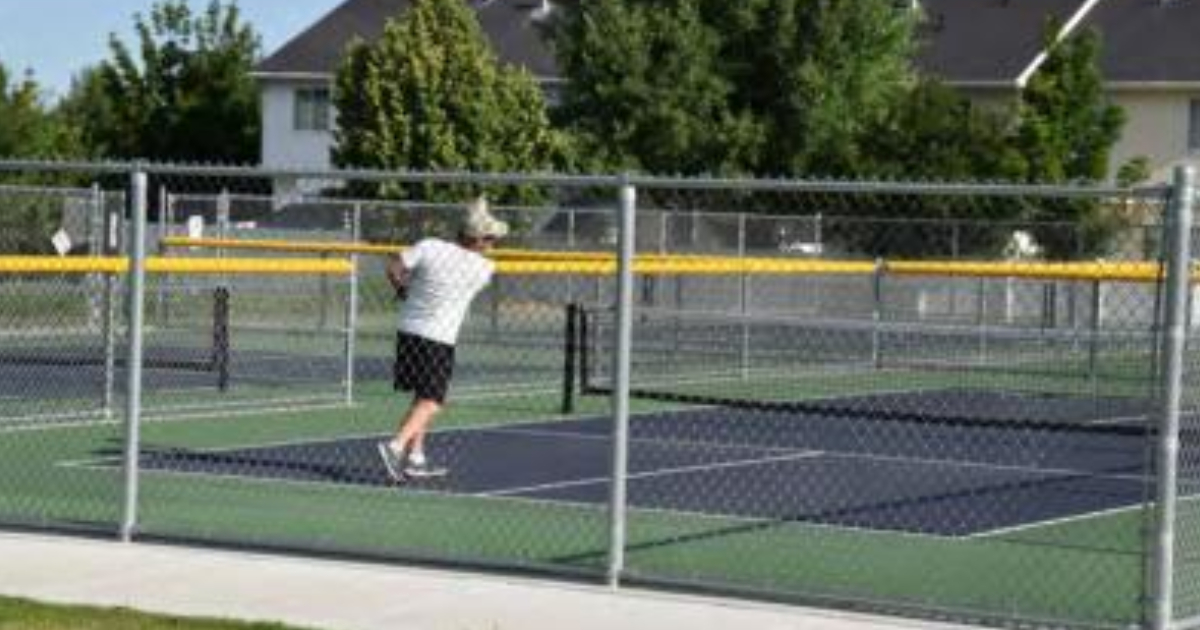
392, 461
423, 470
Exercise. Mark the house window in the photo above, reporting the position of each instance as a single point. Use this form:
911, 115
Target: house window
312, 109
1193, 129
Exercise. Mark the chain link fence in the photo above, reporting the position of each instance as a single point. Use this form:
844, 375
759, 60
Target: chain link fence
944, 400
991, 414
1183, 545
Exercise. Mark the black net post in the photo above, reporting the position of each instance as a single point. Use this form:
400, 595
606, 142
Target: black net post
570, 349
220, 356
583, 349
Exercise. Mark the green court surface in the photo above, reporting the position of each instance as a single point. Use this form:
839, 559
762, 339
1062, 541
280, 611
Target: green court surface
1086, 570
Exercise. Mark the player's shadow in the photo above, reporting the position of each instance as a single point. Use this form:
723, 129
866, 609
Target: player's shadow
252, 463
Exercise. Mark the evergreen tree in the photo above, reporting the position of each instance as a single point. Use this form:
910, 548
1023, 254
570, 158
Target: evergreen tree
937, 134
186, 94
1068, 126
770, 87
28, 128
91, 112
1066, 133
431, 95
956, 140
645, 90
819, 75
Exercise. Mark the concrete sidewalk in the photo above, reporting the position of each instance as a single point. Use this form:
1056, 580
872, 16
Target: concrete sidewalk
336, 595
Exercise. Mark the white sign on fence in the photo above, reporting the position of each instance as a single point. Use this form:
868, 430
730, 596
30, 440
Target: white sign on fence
195, 226
62, 242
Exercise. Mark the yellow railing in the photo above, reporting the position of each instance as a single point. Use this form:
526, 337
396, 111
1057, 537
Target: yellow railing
540, 262
198, 266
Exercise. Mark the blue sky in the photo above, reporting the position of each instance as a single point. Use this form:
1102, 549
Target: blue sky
57, 38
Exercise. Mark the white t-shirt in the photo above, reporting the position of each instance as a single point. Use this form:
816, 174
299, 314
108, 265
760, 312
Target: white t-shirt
443, 280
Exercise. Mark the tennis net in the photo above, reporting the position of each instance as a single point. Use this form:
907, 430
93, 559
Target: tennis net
912, 373
98, 339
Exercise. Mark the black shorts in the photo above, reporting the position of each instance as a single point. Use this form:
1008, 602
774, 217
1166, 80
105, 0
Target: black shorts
423, 367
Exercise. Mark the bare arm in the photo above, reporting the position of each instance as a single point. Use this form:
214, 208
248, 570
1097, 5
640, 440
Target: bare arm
398, 275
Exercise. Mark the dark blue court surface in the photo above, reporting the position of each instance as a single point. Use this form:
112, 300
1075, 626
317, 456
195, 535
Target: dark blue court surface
932, 478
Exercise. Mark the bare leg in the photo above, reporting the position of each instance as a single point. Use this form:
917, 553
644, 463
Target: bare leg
410, 435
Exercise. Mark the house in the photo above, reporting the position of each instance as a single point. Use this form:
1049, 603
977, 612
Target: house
1150, 62
987, 48
295, 81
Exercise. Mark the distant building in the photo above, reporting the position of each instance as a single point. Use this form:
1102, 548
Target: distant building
295, 81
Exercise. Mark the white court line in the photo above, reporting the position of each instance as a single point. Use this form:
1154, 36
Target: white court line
924, 461
1077, 517
1011, 529
659, 472
536, 432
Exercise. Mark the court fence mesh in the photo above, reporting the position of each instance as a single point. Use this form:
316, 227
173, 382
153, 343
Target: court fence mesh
955, 401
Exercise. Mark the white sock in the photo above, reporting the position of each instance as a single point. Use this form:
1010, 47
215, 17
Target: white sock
395, 446
417, 458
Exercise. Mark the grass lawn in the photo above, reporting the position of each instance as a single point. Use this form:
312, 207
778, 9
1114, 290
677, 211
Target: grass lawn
22, 614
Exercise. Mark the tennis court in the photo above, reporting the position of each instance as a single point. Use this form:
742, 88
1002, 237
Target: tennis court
711, 492
975, 484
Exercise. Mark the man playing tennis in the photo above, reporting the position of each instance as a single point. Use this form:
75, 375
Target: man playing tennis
436, 281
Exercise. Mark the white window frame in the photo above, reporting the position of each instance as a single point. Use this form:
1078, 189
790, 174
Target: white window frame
311, 109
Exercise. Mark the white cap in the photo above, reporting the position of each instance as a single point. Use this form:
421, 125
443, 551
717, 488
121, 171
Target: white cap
478, 221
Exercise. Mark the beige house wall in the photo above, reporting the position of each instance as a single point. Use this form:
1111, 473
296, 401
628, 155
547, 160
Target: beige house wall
1156, 128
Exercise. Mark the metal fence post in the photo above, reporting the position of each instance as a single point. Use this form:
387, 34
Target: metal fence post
136, 306
109, 247
955, 229
224, 221
744, 296
169, 209
621, 374
1094, 324
323, 295
981, 320
877, 313
95, 225
819, 233
95, 282
224, 209
571, 247
167, 216
352, 305
163, 231
1178, 283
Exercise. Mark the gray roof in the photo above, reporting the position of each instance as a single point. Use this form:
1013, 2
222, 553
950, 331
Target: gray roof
1149, 40
510, 25
986, 40
993, 41
964, 41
